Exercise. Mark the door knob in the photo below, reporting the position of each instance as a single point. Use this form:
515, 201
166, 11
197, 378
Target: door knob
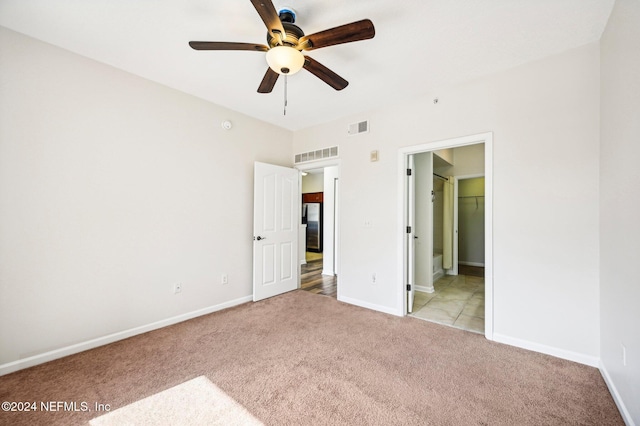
259, 238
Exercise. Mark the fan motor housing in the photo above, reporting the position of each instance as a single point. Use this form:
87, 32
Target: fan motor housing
293, 34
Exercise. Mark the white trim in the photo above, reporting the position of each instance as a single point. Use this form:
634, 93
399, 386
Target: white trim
424, 289
456, 230
624, 412
589, 360
321, 164
487, 139
110, 338
372, 306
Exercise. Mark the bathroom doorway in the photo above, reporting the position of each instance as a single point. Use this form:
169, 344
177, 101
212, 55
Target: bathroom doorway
461, 300
457, 297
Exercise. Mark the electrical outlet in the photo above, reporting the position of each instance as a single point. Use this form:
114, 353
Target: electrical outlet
177, 288
224, 279
624, 356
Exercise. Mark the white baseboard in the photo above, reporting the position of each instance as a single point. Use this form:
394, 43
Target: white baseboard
371, 306
463, 262
424, 289
104, 340
591, 361
624, 412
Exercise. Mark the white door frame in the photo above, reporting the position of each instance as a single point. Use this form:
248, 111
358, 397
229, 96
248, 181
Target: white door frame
487, 140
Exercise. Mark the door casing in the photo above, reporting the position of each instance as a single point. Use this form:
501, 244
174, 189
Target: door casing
403, 153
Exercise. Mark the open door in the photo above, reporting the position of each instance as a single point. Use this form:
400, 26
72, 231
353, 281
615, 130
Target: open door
419, 221
410, 235
276, 213
424, 233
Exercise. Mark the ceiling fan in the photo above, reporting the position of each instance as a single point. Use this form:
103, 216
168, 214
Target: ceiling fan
286, 41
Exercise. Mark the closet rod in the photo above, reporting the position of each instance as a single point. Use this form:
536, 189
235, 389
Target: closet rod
441, 177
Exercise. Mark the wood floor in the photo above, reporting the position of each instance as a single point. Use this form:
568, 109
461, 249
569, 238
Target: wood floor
312, 280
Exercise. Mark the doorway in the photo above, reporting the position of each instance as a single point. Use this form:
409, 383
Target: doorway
456, 297
319, 261
409, 231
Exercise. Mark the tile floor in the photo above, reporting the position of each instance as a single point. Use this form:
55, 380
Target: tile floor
458, 301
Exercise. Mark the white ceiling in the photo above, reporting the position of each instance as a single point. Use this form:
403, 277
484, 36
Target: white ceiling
420, 45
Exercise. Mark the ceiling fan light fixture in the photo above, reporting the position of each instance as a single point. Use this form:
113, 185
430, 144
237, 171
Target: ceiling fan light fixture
285, 60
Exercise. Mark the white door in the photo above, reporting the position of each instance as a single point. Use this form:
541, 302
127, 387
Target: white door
410, 233
419, 235
424, 232
276, 214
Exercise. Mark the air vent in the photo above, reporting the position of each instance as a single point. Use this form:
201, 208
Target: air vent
357, 128
319, 154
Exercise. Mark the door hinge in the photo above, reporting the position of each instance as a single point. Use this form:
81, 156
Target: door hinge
408, 287
408, 229
408, 172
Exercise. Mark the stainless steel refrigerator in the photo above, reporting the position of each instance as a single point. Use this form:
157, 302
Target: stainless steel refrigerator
312, 216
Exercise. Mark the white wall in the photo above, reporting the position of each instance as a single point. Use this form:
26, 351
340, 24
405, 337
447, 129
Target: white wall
112, 189
545, 120
467, 160
313, 182
620, 204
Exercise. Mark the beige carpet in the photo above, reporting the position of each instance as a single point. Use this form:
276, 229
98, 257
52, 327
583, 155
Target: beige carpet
304, 359
196, 402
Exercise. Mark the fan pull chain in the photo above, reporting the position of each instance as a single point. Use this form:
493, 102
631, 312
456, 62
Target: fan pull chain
285, 94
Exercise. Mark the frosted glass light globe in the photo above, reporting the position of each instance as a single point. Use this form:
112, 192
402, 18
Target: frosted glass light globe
285, 60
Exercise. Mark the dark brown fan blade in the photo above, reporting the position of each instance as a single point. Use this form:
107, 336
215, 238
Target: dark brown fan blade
324, 73
268, 81
269, 16
355, 31
224, 45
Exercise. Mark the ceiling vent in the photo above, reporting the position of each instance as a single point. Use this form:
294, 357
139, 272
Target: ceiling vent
357, 128
319, 154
